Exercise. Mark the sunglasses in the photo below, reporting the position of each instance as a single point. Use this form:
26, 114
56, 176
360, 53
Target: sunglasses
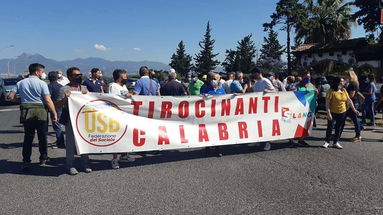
77, 75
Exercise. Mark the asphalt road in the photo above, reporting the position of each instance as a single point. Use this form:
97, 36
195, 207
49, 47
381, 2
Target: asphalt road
245, 180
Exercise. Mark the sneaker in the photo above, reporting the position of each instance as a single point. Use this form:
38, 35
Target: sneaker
43, 162
326, 145
72, 171
337, 146
356, 139
267, 147
126, 157
25, 166
115, 164
87, 170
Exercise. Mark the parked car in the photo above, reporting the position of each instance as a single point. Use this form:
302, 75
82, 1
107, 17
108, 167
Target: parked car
6, 85
131, 83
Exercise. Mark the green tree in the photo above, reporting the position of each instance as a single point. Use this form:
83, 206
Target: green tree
246, 53
231, 63
180, 61
327, 21
287, 13
368, 15
241, 59
271, 46
204, 61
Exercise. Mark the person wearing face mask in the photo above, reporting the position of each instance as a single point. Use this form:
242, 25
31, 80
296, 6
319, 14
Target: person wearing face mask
75, 78
195, 85
34, 95
212, 88
119, 88
61, 78
336, 106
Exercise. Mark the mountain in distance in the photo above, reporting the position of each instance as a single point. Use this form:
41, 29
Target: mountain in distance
20, 64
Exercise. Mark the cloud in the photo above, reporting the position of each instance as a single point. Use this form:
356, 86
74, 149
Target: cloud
137, 49
101, 47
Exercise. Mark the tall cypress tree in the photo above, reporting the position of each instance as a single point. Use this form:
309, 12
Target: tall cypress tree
231, 63
180, 61
246, 51
241, 59
271, 47
204, 61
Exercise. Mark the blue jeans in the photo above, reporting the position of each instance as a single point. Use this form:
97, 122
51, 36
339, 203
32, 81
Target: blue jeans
58, 128
355, 120
338, 120
368, 110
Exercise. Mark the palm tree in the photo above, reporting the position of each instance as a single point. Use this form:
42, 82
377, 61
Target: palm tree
328, 21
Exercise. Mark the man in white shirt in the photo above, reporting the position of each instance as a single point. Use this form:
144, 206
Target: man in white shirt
118, 87
227, 83
62, 79
263, 85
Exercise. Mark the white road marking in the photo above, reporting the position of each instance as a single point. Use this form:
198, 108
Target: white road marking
9, 109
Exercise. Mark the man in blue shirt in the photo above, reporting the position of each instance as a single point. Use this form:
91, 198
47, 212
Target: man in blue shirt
145, 85
235, 86
93, 84
212, 86
34, 95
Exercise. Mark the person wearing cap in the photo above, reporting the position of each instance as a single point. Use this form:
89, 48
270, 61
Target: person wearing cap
262, 85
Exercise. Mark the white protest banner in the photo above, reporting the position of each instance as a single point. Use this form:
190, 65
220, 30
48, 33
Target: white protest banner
104, 123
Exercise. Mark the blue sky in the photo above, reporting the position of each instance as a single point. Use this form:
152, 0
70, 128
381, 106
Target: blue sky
128, 30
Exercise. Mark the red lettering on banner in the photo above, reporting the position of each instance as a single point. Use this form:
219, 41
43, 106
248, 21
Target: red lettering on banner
198, 106
260, 133
222, 131
182, 134
163, 136
276, 128
225, 107
266, 104
242, 130
136, 107
276, 104
183, 109
151, 109
213, 102
253, 103
239, 109
136, 140
203, 136
166, 110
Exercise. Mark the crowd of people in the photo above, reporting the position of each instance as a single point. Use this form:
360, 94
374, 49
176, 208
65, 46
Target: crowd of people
343, 97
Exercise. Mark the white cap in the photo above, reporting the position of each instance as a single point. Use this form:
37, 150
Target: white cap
172, 71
